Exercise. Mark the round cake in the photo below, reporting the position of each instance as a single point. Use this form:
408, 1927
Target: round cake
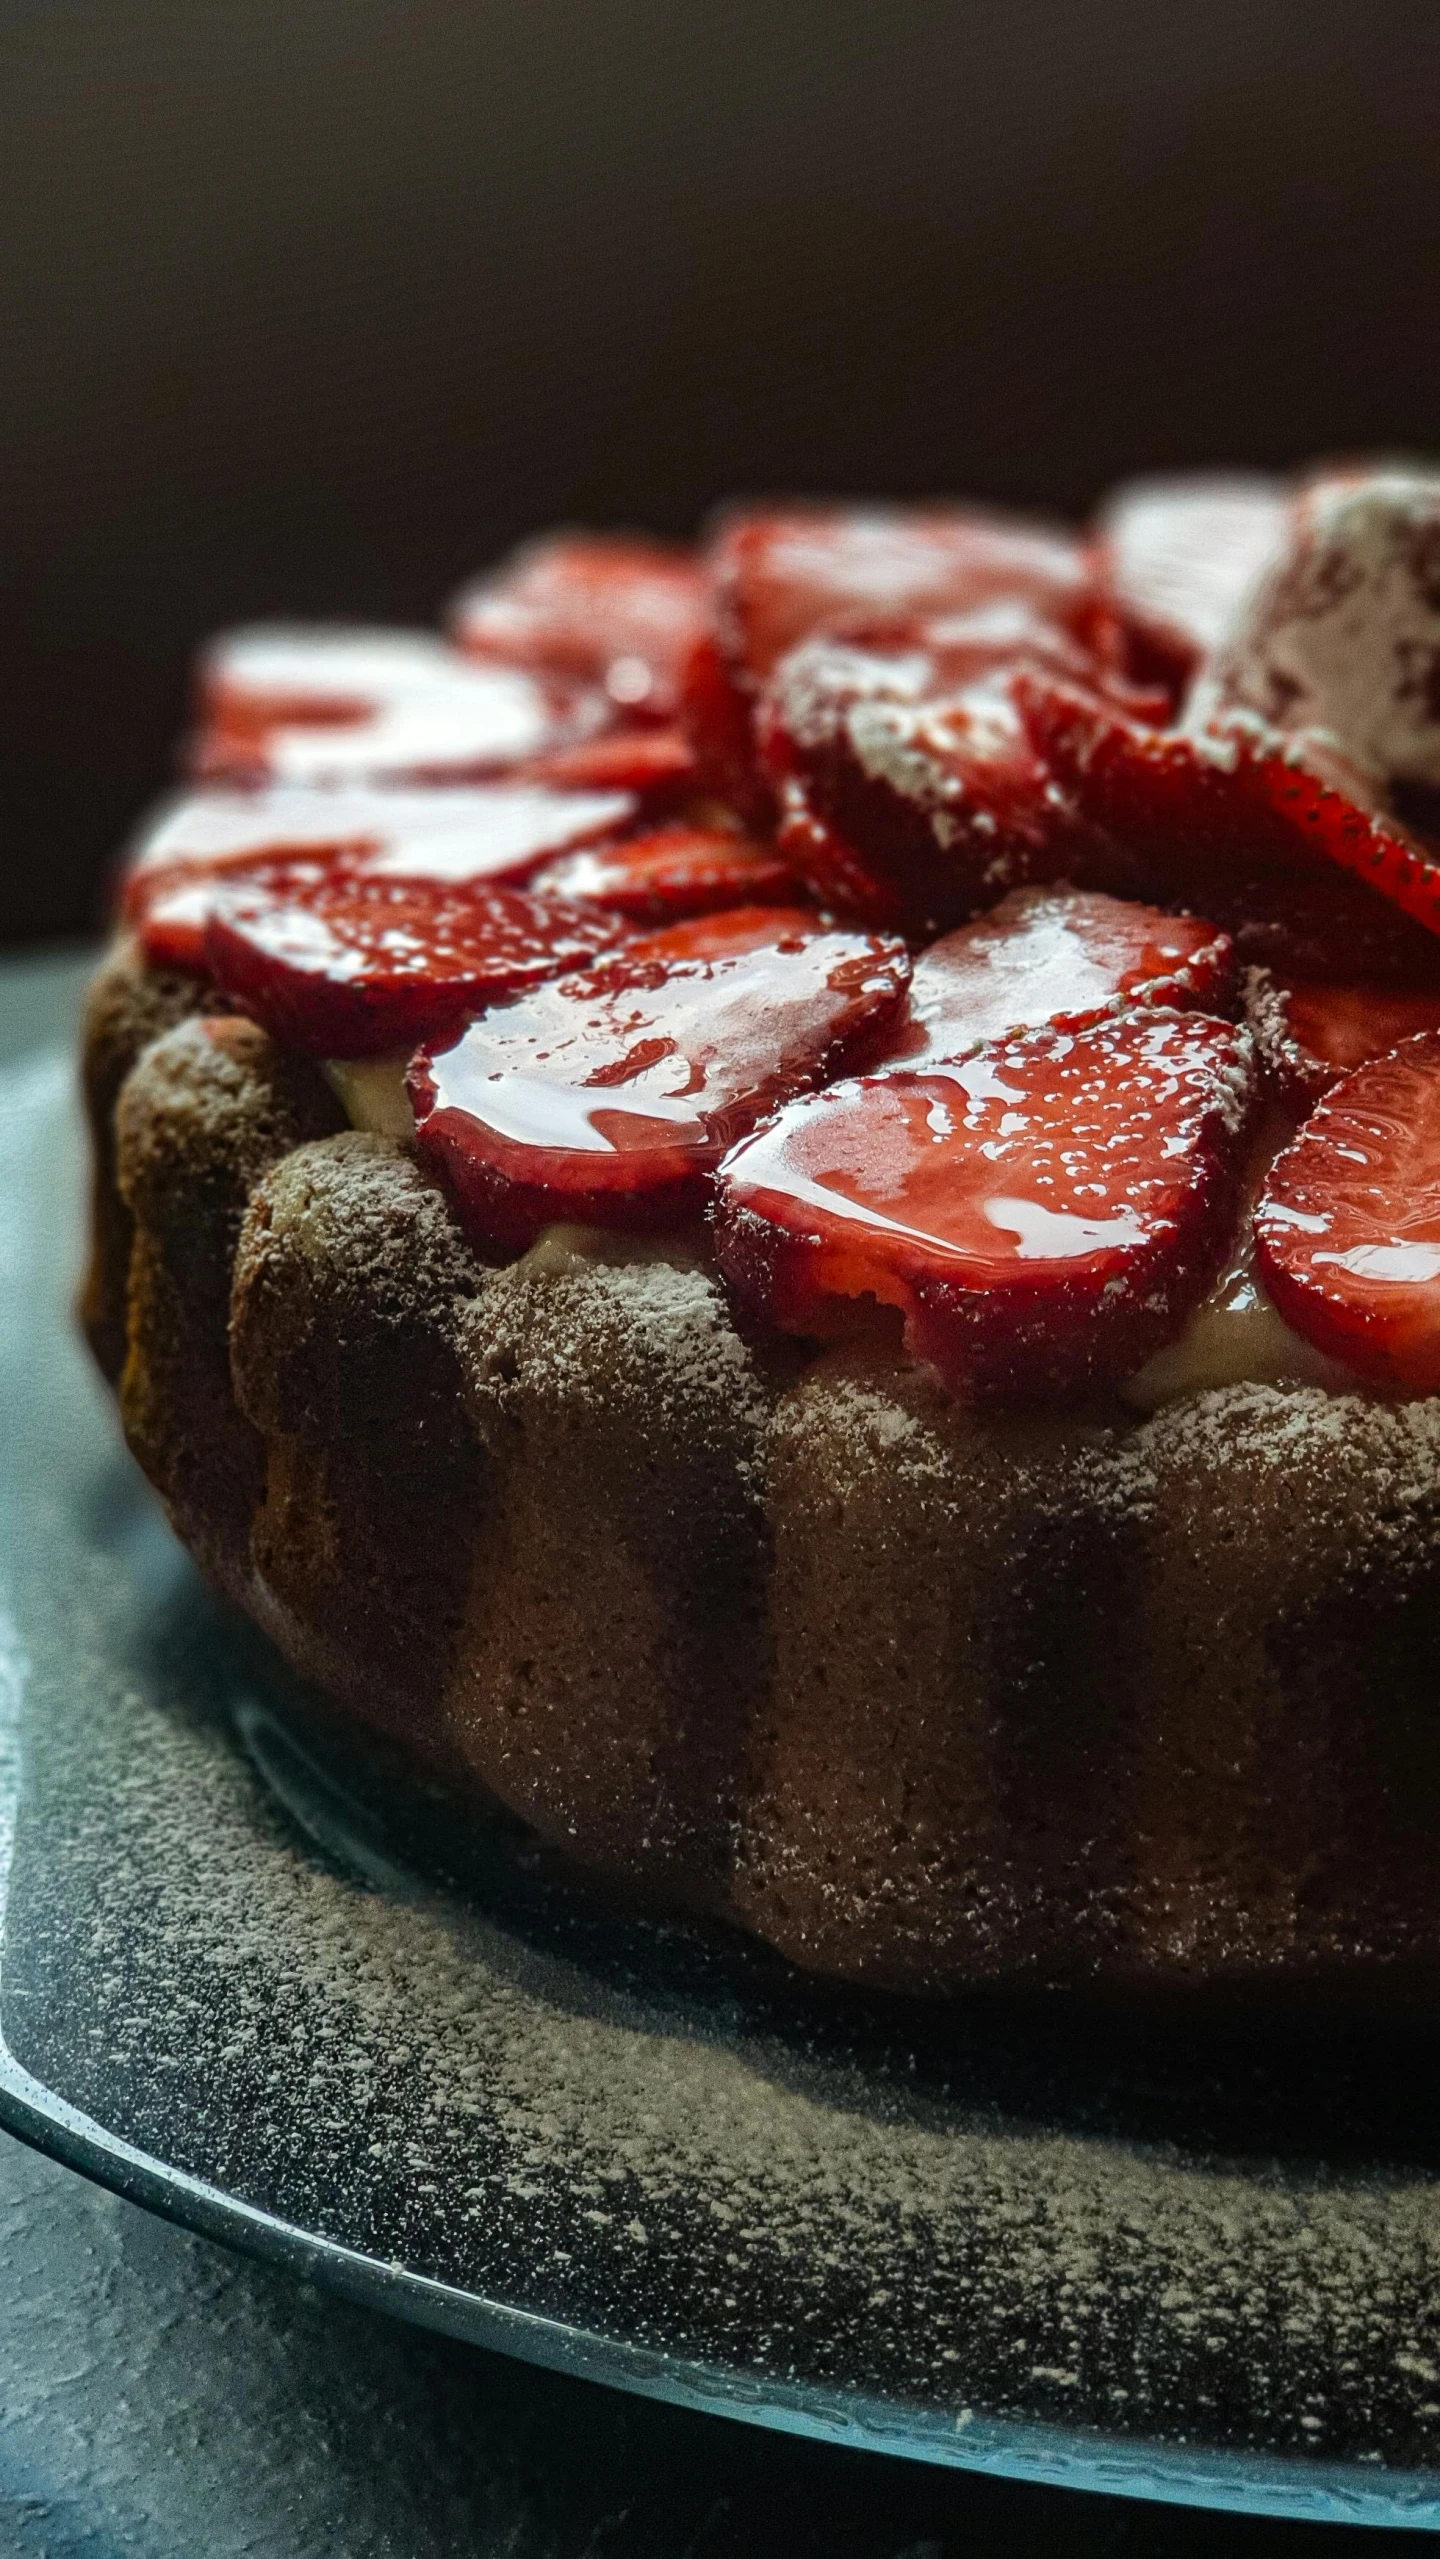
775, 1209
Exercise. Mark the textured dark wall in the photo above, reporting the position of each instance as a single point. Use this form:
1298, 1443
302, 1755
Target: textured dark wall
312, 307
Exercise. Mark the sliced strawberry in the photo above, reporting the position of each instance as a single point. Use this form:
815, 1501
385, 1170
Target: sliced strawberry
1310, 1034
331, 704
1348, 1227
781, 577
1044, 1214
1297, 870
1338, 646
718, 715
911, 790
1065, 957
346, 965
656, 764
674, 870
495, 831
1176, 557
607, 609
609, 1098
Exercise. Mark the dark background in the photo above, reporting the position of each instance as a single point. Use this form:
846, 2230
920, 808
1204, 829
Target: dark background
309, 305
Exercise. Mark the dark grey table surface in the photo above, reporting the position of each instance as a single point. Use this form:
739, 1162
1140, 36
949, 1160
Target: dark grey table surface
162, 2399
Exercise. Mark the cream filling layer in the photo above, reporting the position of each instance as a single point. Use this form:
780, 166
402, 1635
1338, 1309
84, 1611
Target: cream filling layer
1234, 1338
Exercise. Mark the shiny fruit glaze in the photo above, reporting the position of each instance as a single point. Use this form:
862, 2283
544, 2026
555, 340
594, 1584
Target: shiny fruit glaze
613, 611
493, 831
674, 871
1057, 956
343, 965
332, 705
1348, 1226
608, 1098
1044, 1213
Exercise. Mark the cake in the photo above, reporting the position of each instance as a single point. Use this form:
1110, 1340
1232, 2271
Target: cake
777, 1209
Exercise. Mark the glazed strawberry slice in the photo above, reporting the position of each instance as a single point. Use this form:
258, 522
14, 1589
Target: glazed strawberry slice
781, 577
1175, 558
346, 965
911, 790
333, 704
1310, 1034
1044, 1214
1231, 821
608, 1098
1348, 1226
657, 764
1065, 957
607, 609
495, 831
673, 871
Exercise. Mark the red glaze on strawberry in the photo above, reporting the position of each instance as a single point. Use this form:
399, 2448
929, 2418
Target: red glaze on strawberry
1297, 870
911, 790
332, 704
607, 609
658, 765
718, 715
1175, 558
1348, 1227
495, 831
781, 577
674, 870
609, 1098
1044, 1214
1310, 1034
342, 964
1065, 957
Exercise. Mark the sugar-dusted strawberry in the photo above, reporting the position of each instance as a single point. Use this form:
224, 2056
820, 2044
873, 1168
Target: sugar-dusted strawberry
1300, 871
608, 609
657, 764
343, 964
1176, 557
1044, 1213
608, 1098
783, 576
328, 703
1309, 1033
490, 831
673, 871
911, 790
1064, 957
1337, 647
1347, 1229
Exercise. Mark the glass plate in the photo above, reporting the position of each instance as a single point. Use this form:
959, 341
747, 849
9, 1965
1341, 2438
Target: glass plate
1148, 2259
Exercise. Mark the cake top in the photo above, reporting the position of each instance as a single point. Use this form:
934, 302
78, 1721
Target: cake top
1025, 939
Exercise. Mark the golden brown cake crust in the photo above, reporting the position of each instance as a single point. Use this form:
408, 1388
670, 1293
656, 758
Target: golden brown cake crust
923, 1698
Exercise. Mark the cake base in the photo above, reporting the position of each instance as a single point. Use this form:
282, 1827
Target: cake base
926, 1699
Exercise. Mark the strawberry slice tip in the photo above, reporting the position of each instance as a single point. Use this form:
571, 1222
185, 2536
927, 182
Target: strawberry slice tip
1347, 1230
1044, 1214
344, 965
1064, 957
607, 1098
